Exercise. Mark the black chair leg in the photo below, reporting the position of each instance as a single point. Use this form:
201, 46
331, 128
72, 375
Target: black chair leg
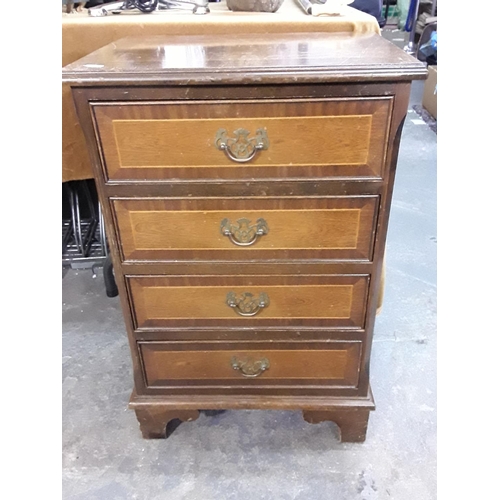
109, 278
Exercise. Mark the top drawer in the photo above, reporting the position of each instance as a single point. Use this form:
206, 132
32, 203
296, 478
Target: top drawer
155, 141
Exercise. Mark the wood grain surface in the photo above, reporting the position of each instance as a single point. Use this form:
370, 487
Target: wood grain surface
165, 229
258, 59
177, 363
340, 137
162, 301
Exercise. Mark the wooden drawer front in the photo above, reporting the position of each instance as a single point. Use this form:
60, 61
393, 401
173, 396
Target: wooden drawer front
306, 138
162, 229
177, 364
333, 301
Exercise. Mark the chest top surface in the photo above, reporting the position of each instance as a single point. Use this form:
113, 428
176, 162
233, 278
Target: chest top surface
257, 59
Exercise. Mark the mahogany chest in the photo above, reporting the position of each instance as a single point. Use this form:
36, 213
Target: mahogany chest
246, 185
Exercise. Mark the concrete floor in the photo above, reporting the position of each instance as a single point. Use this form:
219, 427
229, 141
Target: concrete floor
269, 455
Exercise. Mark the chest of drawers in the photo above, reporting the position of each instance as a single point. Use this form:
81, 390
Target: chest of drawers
246, 187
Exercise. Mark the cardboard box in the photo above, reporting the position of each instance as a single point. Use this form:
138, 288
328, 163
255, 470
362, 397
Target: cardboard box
429, 101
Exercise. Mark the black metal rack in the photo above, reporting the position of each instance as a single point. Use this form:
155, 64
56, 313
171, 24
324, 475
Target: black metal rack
84, 242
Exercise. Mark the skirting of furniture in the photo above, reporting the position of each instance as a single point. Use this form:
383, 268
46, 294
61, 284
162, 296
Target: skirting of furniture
349, 414
246, 188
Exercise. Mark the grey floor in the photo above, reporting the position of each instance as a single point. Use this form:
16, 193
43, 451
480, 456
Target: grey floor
268, 455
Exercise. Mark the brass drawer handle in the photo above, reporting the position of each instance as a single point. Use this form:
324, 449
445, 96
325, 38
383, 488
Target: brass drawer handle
249, 367
246, 304
241, 148
242, 233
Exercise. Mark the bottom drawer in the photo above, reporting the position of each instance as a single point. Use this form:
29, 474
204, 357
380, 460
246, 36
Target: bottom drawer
177, 364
